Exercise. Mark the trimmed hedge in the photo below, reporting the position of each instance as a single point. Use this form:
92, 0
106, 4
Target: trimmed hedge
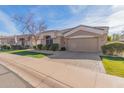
39, 46
48, 47
5, 47
13, 47
16, 47
44, 48
54, 47
113, 48
34, 47
27, 47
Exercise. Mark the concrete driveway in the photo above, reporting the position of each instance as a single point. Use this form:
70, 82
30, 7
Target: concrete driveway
90, 61
8, 79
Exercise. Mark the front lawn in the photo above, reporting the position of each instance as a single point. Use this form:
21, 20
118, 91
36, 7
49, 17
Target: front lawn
114, 65
25, 53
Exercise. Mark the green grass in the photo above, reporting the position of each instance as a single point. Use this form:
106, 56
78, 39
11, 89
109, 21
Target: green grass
25, 53
114, 65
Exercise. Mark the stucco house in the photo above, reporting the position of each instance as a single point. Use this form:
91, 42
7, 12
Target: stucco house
81, 38
121, 38
7, 40
16, 40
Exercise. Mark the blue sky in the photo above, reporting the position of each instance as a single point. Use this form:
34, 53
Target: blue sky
61, 17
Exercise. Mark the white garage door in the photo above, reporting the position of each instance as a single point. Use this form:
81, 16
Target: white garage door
83, 44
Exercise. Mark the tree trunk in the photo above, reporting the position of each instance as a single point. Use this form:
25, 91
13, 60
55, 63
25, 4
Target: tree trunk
35, 40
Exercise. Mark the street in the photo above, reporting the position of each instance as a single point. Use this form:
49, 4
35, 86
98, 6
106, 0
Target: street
8, 79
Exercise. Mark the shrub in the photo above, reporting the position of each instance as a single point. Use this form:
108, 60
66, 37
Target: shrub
5, 47
44, 47
109, 38
54, 47
48, 47
113, 48
16, 47
27, 46
63, 48
39, 46
34, 47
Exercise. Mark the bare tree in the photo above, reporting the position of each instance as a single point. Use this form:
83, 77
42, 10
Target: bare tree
29, 24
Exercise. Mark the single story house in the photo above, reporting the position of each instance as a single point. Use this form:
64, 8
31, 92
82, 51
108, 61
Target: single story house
121, 38
81, 38
7, 40
16, 40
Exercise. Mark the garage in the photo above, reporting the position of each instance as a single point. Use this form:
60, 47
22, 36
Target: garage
85, 38
89, 44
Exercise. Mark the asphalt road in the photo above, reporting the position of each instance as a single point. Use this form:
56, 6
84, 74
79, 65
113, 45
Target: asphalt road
8, 79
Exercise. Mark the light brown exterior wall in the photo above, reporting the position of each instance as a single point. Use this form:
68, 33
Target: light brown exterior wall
89, 44
102, 40
81, 32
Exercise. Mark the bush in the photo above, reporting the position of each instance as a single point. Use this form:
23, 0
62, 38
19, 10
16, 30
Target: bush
27, 46
113, 48
54, 47
63, 48
109, 38
39, 46
44, 47
16, 47
48, 47
34, 47
5, 47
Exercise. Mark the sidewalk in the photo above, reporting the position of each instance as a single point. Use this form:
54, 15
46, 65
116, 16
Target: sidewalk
45, 73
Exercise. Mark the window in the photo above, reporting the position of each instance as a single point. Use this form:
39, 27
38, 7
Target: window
49, 40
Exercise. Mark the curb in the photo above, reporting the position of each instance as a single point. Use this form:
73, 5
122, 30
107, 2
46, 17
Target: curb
34, 78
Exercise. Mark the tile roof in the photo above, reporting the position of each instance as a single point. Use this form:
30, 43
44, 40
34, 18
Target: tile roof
69, 29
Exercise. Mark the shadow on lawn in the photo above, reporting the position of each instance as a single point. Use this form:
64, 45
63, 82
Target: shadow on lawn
26, 53
116, 58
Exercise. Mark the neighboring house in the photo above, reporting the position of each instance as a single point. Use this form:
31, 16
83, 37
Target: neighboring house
23, 40
16, 40
80, 38
121, 38
7, 40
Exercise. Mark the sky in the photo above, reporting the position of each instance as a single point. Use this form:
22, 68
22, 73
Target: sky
64, 16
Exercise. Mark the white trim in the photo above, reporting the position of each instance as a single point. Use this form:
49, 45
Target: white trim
88, 29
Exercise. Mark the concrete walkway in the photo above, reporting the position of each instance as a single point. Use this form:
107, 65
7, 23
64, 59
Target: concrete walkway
10, 80
43, 73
